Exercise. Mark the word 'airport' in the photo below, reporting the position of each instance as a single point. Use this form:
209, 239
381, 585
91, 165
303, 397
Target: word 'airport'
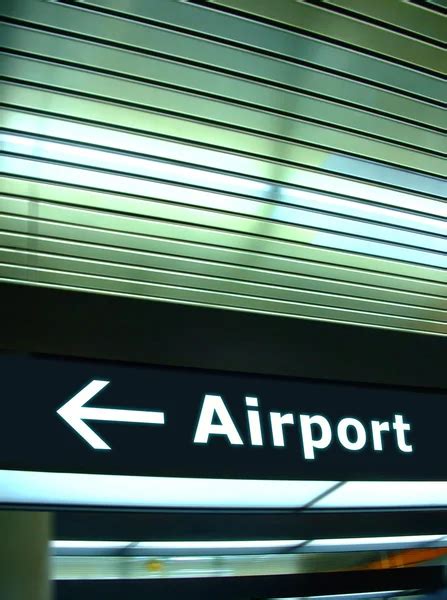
317, 432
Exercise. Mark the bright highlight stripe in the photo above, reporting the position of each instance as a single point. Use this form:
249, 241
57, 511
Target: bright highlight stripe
386, 494
28, 487
377, 594
219, 545
87, 545
41, 488
236, 544
376, 541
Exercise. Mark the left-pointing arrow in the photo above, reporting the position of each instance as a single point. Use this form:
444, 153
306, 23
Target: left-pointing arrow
75, 413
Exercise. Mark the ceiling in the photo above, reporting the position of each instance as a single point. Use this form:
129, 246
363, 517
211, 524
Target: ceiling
283, 157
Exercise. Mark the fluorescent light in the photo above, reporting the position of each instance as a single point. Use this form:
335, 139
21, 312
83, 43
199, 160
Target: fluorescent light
344, 544
409, 539
347, 596
87, 545
245, 544
386, 494
33, 487
220, 545
29, 487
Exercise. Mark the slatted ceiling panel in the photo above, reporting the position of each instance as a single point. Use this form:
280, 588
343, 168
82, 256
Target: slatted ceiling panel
168, 126
317, 18
168, 150
175, 151
246, 226
208, 267
265, 97
315, 78
305, 139
199, 235
405, 17
438, 5
401, 16
201, 257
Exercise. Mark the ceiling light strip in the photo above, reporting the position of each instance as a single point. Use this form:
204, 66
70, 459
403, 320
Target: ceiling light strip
369, 494
111, 490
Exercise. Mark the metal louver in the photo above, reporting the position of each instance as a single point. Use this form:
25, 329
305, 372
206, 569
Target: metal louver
283, 157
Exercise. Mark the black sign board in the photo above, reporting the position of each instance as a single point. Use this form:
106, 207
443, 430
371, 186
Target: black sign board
76, 416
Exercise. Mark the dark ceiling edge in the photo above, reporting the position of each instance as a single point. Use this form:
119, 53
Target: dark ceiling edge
257, 587
86, 325
247, 525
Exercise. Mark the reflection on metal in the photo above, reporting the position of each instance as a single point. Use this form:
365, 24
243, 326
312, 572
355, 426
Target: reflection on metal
126, 567
402, 594
360, 595
289, 159
406, 558
154, 566
374, 543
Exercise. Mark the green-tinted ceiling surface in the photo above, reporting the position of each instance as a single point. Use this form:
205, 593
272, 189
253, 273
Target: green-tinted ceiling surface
283, 157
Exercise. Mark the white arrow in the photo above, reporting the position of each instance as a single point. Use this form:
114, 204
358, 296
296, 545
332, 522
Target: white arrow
75, 413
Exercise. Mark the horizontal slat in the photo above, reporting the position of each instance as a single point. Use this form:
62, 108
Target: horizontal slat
48, 277
251, 35
199, 179
81, 53
292, 45
259, 239
88, 248
174, 151
401, 14
307, 220
200, 133
188, 282
435, 4
344, 29
310, 275
193, 156
267, 129
230, 212
314, 273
